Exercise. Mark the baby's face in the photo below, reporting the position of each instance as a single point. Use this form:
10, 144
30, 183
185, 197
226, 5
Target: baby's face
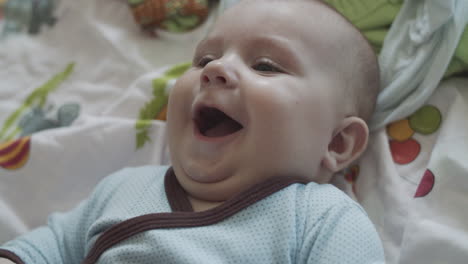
259, 101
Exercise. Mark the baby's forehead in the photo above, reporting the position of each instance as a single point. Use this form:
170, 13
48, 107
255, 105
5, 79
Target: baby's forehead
314, 24
305, 20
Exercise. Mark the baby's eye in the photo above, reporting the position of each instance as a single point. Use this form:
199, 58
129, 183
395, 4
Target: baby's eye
266, 66
203, 61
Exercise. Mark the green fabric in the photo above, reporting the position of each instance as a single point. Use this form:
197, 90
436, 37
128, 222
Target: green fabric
459, 63
376, 37
374, 18
368, 14
37, 98
157, 103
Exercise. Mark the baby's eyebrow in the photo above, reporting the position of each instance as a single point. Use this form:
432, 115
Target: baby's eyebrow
206, 42
275, 43
279, 48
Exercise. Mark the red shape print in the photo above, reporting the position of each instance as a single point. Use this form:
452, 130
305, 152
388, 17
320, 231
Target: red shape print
15, 153
426, 184
404, 152
352, 174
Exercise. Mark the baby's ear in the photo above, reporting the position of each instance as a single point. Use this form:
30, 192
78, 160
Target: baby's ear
348, 143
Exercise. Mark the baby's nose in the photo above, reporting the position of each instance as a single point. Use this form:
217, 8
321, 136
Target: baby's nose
218, 73
220, 79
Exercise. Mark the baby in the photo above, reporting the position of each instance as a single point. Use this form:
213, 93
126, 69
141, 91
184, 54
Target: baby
275, 103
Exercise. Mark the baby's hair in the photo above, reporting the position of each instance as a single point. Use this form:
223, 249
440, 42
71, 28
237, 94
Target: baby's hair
365, 88
363, 80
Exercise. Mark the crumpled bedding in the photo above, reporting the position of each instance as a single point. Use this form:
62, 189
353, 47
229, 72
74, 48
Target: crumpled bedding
97, 86
72, 101
417, 52
413, 181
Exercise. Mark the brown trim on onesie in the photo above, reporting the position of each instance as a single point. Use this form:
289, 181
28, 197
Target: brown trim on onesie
175, 194
10, 256
183, 215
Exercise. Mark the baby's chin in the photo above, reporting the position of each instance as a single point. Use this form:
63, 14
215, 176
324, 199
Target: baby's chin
205, 175
215, 192
222, 189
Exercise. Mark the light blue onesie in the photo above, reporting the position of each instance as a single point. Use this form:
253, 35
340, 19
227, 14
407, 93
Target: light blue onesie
142, 215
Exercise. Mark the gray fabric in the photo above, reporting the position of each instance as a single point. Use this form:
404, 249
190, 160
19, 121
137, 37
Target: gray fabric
416, 54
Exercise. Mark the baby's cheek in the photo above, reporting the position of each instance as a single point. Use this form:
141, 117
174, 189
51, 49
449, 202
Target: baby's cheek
182, 93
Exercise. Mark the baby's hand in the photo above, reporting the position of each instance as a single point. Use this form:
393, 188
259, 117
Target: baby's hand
6, 261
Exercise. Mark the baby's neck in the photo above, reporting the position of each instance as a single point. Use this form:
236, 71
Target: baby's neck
202, 205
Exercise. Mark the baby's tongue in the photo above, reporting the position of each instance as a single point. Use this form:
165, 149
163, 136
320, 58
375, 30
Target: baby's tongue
223, 128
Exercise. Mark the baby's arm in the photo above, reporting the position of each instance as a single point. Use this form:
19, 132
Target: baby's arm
343, 235
66, 236
61, 241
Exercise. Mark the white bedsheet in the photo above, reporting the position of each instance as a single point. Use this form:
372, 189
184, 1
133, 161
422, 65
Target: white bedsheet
111, 81
419, 208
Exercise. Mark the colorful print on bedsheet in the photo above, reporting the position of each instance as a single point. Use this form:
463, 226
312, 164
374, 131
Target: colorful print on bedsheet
156, 107
19, 123
37, 119
27, 15
169, 15
351, 174
33, 116
405, 149
15, 153
426, 184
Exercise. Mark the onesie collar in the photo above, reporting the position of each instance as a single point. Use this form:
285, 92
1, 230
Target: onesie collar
182, 215
175, 194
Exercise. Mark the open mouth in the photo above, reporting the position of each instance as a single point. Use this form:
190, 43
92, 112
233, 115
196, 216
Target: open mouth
212, 122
